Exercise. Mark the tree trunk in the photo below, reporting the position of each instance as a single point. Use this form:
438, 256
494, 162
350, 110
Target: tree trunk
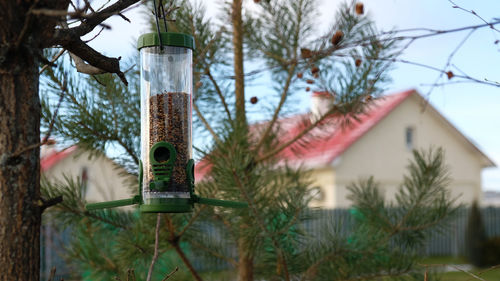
239, 73
20, 214
21, 35
245, 262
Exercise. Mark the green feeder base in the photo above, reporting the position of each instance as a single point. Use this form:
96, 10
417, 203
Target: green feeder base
167, 205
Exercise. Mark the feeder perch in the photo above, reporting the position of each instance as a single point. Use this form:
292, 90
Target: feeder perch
166, 171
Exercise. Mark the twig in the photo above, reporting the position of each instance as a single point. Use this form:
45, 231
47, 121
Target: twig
130, 275
214, 253
171, 273
277, 111
455, 6
192, 220
204, 121
52, 274
95, 36
174, 241
26, 149
61, 52
51, 202
486, 270
157, 244
448, 61
219, 93
56, 111
467, 272
124, 17
97, 18
463, 76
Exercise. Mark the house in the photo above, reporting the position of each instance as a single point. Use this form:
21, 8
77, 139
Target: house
101, 178
379, 144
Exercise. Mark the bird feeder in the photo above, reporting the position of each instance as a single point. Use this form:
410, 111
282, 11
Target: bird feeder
166, 173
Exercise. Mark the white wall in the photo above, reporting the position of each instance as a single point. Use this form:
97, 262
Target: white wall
382, 152
104, 180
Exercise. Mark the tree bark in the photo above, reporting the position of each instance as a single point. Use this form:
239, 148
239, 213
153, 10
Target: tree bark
245, 262
238, 62
20, 214
21, 34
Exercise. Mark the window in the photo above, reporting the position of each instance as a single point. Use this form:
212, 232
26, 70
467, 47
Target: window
84, 178
410, 138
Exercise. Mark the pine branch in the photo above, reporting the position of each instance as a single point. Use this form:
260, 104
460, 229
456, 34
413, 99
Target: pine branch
219, 93
284, 94
192, 220
174, 242
231, 261
304, 132
257, 217
204, 121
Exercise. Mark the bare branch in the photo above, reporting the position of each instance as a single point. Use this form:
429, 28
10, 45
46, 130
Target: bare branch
57, 56
171, 273
50, 202
83, 67
157, 244
455, 6
98, 62
94, 19
448, 61
95, 36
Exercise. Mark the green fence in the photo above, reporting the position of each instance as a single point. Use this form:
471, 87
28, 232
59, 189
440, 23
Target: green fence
448, 242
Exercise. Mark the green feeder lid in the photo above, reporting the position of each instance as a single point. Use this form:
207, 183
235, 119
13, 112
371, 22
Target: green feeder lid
167, 39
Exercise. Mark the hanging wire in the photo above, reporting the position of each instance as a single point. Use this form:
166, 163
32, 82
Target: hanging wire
160, 5
157, 24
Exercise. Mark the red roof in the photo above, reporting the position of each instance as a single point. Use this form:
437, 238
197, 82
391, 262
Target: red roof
323, 144
52, 159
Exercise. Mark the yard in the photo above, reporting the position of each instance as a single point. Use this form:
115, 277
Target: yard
488, 274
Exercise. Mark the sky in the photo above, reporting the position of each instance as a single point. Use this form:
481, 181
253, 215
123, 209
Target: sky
474, 109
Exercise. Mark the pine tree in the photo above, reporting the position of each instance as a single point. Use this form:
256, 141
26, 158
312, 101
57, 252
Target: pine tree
475, 237
269, 239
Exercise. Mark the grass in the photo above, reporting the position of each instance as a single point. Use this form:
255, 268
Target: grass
485, 274
443, 260
492, 275
489, 274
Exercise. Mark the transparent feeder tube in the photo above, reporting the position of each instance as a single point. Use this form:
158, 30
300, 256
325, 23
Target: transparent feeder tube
166, 116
